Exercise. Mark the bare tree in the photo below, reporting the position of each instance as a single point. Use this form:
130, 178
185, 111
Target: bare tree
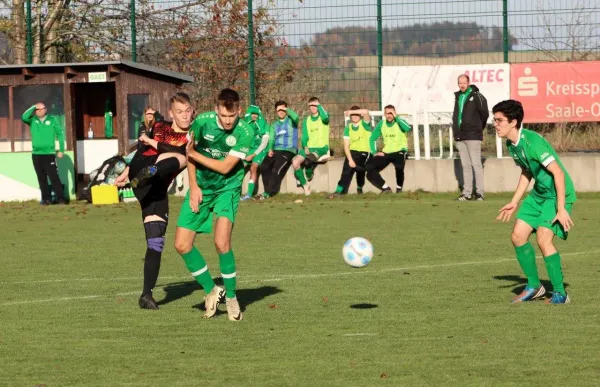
576, 32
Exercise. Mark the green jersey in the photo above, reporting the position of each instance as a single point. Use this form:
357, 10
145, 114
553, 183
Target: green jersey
394, 136
359, 136
215, 142
533, 153
260, 127
315, 130
44, 133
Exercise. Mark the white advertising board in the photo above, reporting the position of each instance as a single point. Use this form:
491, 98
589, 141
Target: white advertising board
431, 88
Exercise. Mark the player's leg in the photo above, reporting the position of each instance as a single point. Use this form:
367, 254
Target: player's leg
399, 160
40, 171
252, 181
527, 221
283, 161
374, 167
266, 170
166, 166
189, 224
361, 159
345, 179
321, 155
467, 170
155, 215
545, 236
297, 164
225, 208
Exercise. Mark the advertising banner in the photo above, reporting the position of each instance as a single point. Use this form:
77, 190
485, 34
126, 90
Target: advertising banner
431, 88
558, 91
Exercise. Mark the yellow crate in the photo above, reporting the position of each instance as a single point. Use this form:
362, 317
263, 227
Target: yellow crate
105, 194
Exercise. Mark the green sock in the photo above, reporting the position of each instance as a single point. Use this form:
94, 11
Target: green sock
526, 258
250, 191
555, 273
339, 189
299, 173
227, 264
309, 173
197, 266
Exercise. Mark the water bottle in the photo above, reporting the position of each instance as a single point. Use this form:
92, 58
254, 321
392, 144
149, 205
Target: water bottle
90, 132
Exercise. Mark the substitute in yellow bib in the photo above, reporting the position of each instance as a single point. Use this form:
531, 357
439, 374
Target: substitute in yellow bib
357, 147
315, 144
395, 147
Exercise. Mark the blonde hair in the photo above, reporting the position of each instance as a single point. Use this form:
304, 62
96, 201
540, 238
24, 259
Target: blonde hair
148, 124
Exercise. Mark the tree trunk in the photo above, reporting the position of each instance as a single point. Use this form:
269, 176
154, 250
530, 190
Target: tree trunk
18, 41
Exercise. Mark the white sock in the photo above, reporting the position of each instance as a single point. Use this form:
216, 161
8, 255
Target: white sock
385, 186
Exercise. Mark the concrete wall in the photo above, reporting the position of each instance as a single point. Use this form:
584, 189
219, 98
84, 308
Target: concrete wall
501, 175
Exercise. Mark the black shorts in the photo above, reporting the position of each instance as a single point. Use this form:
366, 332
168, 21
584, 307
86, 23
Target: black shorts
153, 198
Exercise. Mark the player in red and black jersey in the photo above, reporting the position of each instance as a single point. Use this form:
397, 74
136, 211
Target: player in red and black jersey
160, 156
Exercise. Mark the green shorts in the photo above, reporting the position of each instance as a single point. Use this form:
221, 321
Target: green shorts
320, 152
222, 205
539, 212
258, 159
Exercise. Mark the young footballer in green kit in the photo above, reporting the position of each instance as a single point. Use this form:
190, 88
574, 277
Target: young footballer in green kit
545, 211
219, 141
315, 144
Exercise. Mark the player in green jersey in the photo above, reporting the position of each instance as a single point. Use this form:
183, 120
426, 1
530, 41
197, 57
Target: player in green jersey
315, 144
357, 148
545, 211
258, 149
219, 141
395, 146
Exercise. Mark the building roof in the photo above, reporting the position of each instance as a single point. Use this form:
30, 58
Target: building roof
126, 63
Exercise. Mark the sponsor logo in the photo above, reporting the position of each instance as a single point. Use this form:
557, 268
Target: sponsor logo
527, 85
209, 137
47, 122
215, 153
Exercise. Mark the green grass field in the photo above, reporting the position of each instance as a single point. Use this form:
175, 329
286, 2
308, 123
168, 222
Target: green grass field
431, 309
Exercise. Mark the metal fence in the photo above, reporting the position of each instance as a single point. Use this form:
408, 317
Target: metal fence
294, 49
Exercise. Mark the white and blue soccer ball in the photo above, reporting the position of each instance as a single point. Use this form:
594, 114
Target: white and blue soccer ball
357, 252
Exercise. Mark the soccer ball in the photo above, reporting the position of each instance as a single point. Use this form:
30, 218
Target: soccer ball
357, 252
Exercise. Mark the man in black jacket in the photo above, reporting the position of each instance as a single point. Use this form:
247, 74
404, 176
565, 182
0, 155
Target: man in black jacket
468, 122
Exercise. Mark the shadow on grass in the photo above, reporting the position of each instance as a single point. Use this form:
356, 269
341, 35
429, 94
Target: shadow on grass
364, 306
518, 283
179, 290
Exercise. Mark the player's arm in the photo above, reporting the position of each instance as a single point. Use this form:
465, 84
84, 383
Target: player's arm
27, 116
264, 143
404, 126
271, 132
323, 114
375, 136
237, 153
507, 211
294, 117
562, 215
364, 113
347, 146
305, 133
524, 180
